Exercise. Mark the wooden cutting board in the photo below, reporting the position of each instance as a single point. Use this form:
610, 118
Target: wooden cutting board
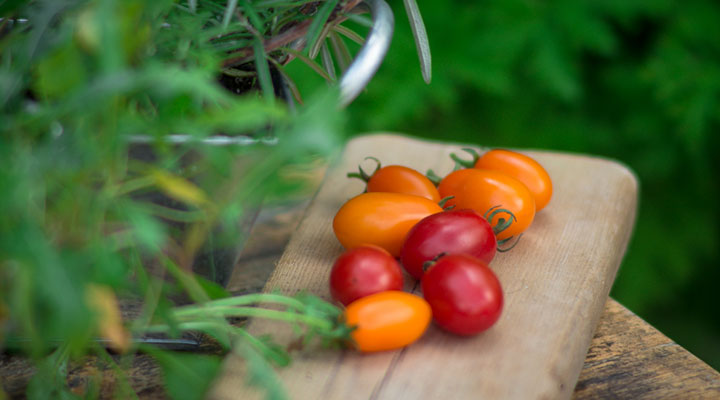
556, 282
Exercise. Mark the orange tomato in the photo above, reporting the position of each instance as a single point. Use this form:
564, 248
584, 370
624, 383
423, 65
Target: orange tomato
523, 168
400, 179
397, 179
387, 320
380, 218
450, 184
483, 189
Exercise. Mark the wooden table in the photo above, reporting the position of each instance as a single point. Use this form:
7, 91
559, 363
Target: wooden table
627, 359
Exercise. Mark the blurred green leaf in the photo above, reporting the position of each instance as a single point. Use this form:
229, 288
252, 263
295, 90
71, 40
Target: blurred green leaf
49, 380
187, 376
261, 373
60, 73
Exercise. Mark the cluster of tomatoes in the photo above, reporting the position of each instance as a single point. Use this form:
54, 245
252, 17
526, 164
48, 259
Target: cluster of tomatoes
400, 222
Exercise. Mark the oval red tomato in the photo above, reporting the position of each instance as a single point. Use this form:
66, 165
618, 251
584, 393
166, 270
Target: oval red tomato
363, 271
464, 294
455, 231
387, 320
382, 219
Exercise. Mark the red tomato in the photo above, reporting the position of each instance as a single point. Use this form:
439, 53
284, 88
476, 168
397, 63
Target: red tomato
523, 168
455, 231
363, 271
465, 295
382, 219
483, 190
387, 320
398, 179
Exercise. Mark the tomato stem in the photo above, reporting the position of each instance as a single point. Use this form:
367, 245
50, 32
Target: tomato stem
503, 241
444, 201
361, 174
433, 177
429, 263
502, 223
460, 163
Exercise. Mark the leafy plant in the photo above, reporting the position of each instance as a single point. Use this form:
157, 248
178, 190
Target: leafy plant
134, 136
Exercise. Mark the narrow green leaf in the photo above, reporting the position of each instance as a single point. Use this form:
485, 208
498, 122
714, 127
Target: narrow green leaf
342, 53
310, 63
350, 34
288, 81
263, 71
253, 15
421, 39
327, 61
212, 289
188, 281
361, 20
313, 52
229, 11
318, 25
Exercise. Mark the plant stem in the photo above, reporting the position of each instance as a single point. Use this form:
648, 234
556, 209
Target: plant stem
243, 300
227, 311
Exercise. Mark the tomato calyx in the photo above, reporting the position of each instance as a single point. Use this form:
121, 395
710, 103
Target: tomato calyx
460, 163
429, 263
433, 177
361, 174
444, 201
501, 225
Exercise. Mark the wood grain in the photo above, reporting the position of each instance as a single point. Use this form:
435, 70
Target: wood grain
629, 359
556, 282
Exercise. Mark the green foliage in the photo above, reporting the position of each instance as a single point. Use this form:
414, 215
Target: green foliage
634, 80
112, 186
187, 376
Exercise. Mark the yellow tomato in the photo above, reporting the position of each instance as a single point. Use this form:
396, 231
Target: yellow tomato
382, 219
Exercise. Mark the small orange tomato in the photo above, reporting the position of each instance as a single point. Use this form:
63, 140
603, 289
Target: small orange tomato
523, 168
387, 320
380, 218
397, 179
483, 189
450, 184
400, 179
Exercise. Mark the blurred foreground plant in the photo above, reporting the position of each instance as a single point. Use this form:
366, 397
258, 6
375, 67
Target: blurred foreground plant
106, 105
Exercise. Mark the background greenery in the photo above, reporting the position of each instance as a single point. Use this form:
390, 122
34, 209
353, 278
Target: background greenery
635, 80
